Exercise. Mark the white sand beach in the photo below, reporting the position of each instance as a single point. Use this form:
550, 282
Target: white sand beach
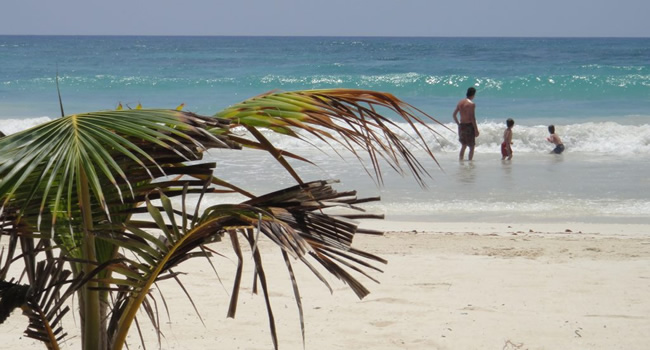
446, 286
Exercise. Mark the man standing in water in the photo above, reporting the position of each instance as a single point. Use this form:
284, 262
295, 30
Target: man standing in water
467, 129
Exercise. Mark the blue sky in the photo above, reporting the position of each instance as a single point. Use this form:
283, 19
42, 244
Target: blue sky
574, 18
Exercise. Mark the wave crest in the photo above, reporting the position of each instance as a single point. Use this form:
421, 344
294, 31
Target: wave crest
592, 137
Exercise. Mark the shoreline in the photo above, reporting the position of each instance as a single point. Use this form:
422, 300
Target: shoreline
636, 230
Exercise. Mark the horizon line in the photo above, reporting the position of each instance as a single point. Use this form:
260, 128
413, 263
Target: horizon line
340, 36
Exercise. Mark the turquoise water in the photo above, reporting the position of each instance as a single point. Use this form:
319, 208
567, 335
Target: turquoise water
531, 79
596, 91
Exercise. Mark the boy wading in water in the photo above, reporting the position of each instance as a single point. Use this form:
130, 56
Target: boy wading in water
506, 149
554, 139
467, 129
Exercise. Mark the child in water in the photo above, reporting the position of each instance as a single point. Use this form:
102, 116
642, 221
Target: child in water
554, 139
506, 150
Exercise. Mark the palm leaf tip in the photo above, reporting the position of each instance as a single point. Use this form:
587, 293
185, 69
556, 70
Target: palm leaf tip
348, 117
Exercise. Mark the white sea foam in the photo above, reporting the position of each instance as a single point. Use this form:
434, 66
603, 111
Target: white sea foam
608, 138
603, 138
13, 125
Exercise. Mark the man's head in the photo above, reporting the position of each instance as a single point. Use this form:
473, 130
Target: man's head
471, 92
551, 129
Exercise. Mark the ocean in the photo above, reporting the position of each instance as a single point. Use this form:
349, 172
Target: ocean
595, 90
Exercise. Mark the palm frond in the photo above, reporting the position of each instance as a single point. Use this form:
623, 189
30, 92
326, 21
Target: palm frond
348, 117
35, 162
291, 218
120, 152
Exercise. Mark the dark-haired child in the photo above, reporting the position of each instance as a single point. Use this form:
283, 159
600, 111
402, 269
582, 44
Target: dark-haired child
506, 149
554, 139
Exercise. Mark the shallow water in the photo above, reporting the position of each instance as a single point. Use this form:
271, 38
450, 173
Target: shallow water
530, 188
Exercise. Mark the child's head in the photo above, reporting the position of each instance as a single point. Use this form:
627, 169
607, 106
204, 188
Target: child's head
551, 129
510, 122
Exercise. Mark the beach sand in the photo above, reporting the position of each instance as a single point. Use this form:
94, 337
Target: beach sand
446, 286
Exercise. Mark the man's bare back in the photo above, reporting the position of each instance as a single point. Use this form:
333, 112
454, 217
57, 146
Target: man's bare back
466, 108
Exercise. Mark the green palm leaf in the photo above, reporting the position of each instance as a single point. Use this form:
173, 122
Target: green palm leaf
58, 150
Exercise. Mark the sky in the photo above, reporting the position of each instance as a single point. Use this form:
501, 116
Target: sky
518, 18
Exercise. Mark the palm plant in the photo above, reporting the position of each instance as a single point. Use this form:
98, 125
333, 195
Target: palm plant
103, 205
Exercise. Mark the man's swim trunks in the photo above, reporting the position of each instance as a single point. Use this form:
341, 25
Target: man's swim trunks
466, 134
504, 149
558, 149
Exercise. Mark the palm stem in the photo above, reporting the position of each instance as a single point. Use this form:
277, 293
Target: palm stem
92, 332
